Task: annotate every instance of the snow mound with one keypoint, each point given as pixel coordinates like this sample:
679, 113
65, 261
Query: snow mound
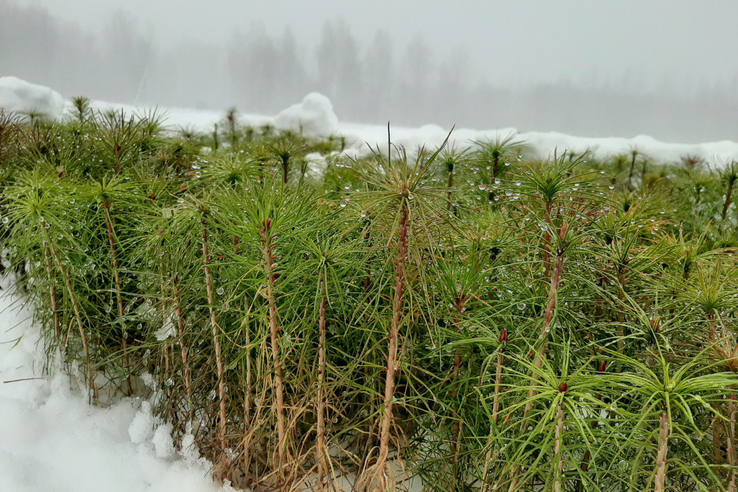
313, 117
19, 96
316, 118
537, 144
51, 439
142, 426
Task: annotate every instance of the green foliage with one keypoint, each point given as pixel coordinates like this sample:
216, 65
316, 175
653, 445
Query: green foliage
559, 324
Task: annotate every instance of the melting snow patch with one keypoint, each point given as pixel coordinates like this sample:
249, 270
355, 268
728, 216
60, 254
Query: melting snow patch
22, 97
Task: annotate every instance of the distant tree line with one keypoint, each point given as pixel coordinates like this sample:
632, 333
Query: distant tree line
411, 85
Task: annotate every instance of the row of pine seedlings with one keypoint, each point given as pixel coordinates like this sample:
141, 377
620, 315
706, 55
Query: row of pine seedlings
459, 318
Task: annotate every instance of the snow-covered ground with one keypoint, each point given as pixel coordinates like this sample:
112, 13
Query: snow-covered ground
52, 440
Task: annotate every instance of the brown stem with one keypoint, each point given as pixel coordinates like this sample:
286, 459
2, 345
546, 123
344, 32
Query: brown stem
368, 243
712, 330
621, 312
118, 151
664, 429
392, 343
321, 447
450, 194
118, 289
247, 401
77, 317
266, 235
216, 342
495, 406
285, 170
548, 316
168, 373
726, 203
732, 444
459, 306
716, 424
183, 348
52, 295
547, 241
593, 425
558, 453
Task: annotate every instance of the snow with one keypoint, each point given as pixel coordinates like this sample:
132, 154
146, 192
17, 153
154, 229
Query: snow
360, 137
538, 144
19, 96
52, 440
313, 117
142, 425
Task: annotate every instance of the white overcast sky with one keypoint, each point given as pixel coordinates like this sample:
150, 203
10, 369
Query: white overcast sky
626, 43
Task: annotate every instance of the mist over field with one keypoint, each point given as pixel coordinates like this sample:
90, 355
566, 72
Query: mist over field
663, 68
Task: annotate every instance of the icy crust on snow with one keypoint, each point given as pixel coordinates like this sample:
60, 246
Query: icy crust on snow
22, 97
313, 117
51, 439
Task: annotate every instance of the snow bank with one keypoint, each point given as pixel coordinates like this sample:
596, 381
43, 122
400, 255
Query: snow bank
51, 439
20, 96
538, 144
314, 116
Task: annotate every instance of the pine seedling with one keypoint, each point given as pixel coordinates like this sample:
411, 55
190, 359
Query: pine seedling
403, 204
713, 290
270, 217
82, 109
40, 224
231, 124
667, 402
331, 256
10, 130
566, 424
495, 156
452, 162
286, 151
728, 177
107, 194
121, 139
461, 279
633, 157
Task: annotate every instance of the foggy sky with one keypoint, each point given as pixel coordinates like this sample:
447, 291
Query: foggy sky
652, 43
668, 54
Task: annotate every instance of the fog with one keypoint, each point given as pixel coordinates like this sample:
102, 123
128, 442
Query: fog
666, 68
